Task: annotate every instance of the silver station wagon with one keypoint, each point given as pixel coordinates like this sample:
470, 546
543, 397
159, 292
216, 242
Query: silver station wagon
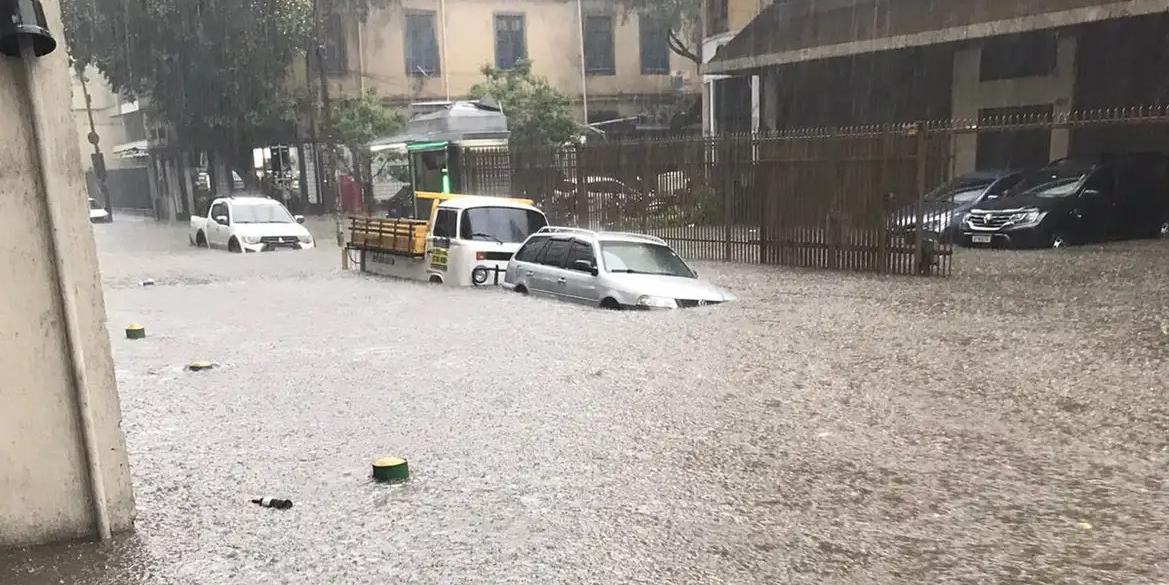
608, 269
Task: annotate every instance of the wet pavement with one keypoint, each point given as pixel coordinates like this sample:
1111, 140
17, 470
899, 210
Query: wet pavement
1005, 425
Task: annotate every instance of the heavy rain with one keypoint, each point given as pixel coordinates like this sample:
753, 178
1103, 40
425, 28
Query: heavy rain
588, 291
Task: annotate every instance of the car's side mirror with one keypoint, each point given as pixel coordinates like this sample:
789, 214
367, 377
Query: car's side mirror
221, 219
298, 218
584, 266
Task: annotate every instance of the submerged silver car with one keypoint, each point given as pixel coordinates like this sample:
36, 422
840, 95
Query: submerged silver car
608, 269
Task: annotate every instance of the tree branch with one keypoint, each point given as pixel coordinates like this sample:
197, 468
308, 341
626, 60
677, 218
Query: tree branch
679, 47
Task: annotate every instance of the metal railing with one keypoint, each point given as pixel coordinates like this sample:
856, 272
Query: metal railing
845, 198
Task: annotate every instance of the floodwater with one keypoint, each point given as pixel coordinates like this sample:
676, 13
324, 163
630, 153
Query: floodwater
1005, 425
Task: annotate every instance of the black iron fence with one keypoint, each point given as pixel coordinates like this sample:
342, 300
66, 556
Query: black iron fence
838, 198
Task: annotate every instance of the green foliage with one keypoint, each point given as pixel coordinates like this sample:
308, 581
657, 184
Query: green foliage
536, 111
360, 119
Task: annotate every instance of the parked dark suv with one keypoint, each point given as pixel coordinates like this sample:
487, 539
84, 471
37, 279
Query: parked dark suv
1076, 200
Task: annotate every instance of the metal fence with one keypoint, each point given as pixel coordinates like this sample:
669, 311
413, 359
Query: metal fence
836, 198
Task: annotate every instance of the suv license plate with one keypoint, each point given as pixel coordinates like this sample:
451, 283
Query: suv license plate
981, 238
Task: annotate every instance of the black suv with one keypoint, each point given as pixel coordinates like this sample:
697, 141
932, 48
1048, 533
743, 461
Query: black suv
1076, 200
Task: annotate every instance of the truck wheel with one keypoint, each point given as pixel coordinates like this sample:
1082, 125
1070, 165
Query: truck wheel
435, 279
233, 246
200, 240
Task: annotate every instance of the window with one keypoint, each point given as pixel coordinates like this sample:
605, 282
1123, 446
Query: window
1003, 186
581, 251
555, 253
262, 213
717, 17
598, 45
219, 210
510, 44
532, 249
506, 225
1102, 181
655, 49
1023, 55
638, 258
335, 57
421, 44
444, 223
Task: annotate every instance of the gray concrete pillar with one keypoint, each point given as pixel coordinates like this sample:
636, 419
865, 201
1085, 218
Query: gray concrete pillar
62, 453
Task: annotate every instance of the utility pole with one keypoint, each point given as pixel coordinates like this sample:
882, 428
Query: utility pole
99, 161
328, 178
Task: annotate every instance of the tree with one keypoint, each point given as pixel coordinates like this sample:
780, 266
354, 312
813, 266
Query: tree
536, 112
683, 19
355, 122
215, 71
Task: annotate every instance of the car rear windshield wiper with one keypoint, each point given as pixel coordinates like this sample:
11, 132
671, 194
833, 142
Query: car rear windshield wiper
489, 236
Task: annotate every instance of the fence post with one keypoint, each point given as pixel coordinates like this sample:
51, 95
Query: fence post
728, 186
919, 229
582, 200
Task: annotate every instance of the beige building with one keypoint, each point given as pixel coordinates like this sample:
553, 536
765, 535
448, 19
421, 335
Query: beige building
121, 128
614, 64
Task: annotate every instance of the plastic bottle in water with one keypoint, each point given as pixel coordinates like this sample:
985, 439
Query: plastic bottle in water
273, 503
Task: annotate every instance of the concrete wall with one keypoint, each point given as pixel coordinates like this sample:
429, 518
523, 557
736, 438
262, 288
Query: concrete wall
44, 485
376, 51
972, 95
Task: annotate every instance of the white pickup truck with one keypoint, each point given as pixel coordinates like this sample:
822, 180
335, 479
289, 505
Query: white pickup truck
249, 224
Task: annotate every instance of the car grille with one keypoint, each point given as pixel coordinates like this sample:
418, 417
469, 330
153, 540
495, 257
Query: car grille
690, 303
500, 256
989, 220
279, 240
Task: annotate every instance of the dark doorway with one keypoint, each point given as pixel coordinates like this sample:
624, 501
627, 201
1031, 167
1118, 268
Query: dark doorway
1027, 148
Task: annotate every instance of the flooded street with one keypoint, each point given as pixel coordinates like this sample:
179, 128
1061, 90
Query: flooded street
1007, 424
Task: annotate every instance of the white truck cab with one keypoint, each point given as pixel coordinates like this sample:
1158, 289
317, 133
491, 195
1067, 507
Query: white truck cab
467, 240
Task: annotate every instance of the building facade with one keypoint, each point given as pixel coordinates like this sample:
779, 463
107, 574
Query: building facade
730, 103
853, 62
121, 130
616, 66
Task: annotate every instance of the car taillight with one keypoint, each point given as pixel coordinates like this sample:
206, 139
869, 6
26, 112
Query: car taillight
480, 256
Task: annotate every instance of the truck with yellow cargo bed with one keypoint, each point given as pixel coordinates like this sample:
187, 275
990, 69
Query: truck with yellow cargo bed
462, 240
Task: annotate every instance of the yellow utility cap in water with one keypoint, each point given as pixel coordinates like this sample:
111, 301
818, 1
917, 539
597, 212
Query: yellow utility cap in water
135, 331
391, 469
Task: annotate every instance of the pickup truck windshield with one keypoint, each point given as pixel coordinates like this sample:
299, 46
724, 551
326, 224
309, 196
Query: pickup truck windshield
638, 258
507, 225
260, 213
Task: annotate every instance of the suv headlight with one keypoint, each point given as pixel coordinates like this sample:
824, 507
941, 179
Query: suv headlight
652, 302
251, 239
305, 239
1027, 217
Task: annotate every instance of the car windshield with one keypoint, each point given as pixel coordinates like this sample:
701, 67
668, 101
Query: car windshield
1050, 183
260, 213
960, 190
506, 225
640, 258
